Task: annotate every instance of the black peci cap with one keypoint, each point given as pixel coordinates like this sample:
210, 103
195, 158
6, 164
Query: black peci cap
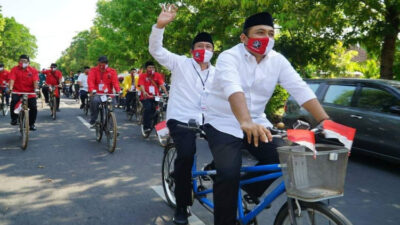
24, 57
103, 59
202, 37
263, 18
149, 63
53, 65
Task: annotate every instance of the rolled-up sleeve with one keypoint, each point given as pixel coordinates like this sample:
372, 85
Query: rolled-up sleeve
162, 55
294, 84
227, 75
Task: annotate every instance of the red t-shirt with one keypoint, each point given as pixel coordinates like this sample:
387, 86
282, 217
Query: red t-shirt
151, 86
24, 79
103, 81
4, 78
53, 78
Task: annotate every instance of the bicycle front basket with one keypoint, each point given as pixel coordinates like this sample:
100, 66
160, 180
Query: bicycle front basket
310, 179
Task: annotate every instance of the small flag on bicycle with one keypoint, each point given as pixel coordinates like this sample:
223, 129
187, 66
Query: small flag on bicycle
343, 133
302, 137
162, 129
18, 107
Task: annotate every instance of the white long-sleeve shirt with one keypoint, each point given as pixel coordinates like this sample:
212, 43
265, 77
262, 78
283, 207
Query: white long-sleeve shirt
186, 88
238, 71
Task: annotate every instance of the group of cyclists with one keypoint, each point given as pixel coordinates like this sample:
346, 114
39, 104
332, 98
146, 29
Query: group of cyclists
227, 100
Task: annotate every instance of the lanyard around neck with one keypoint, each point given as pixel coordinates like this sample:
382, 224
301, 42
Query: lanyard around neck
201, 79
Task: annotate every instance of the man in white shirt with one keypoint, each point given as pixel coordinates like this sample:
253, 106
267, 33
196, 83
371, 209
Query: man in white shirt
246, 78
191, 79
83, 84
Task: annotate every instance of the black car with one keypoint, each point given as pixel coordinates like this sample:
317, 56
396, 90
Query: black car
370, 106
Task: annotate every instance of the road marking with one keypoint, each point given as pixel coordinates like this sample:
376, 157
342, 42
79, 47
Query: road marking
84, 122
193, 219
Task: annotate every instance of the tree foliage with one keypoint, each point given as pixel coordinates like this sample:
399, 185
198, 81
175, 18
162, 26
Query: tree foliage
15, 40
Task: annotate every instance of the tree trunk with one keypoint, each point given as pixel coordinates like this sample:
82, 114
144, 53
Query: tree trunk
387, 56
389, 42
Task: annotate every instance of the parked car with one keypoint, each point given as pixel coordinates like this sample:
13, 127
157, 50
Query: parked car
370, 106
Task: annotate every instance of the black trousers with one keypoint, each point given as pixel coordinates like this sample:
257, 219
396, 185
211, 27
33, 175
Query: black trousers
226, 151
130, 101
185, 144
5, 96
45, 91
148, 113
31, 105
84, 96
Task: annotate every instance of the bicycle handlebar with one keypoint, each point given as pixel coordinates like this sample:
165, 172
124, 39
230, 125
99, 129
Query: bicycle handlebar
24, 93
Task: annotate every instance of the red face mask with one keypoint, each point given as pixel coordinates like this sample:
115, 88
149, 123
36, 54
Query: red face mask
259, 45
202, 55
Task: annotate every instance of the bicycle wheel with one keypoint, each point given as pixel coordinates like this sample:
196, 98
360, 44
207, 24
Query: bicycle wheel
167, 173
313, 213
2, 108
24, 128
139, 112
54, 109
99, 127
129, 115
111, 131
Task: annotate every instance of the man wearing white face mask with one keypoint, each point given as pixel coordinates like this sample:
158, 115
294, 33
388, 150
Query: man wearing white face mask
191, 79
235, 120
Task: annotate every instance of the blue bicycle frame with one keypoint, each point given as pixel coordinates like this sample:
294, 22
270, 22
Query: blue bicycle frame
242, 218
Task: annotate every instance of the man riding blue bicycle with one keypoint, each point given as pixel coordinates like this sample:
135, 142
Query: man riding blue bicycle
191, 80
235, 119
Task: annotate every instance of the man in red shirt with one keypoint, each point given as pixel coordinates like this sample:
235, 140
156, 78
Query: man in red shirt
24, 78
101, 79
150, 83
53, 78
4, 79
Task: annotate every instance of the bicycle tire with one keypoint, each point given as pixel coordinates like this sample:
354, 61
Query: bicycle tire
99, 127
54, 109
139, 113
24, 128
3, 111
111, 132
168, 182
327, 213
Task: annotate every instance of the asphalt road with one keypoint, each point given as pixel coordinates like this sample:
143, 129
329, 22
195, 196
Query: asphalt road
66, 177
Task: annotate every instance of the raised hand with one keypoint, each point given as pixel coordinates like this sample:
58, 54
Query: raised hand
167, 15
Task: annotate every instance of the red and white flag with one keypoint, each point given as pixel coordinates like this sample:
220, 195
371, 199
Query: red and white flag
343, 133
162, 129
303, 137
18, 107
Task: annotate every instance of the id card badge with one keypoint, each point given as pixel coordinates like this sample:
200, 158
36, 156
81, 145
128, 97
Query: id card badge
139, 93
133, 88
101, 86
103, 98
203, 99
152, 90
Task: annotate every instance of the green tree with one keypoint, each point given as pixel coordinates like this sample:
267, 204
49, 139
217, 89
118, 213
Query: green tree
16, 40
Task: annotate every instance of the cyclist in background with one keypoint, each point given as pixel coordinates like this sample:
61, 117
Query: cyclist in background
150, 83
24, 78
246, 76
130, 85
101, 79
4, 82
53, 78
83, 85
